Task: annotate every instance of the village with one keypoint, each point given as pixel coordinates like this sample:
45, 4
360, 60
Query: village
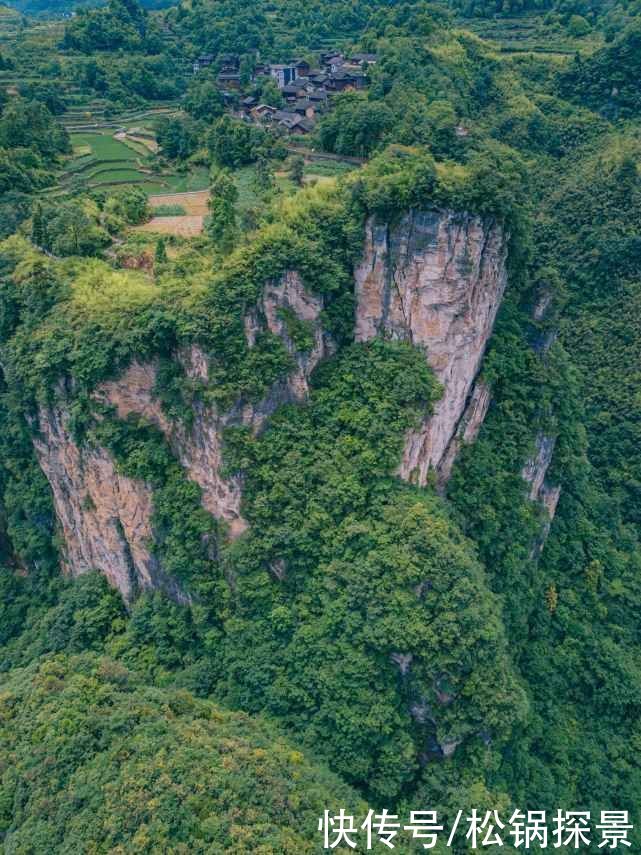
306, 91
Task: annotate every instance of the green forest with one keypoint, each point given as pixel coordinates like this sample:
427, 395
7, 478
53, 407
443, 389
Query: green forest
228, 603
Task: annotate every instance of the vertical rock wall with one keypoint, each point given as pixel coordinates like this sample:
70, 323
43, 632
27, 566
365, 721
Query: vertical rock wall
435, 279
534, 474
105, 517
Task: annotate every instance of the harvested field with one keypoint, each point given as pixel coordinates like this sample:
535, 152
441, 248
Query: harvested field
187, 226
194, 203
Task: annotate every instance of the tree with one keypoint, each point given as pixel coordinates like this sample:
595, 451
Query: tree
232, 143
72, 229
247, 66
177, 137
129, 205
47, 94
38, 227
6, 64
203, 100
578, 26
29, 124
160, 256
355, 126
264, 178
12, 175
222, 227
14, 205
121, 24
297, 169
270, 94
155, 746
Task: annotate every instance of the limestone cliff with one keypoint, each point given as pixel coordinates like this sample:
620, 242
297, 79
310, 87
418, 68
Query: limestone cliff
536, 467
467, 429
435, 279
199, 447
105, 517
535, 471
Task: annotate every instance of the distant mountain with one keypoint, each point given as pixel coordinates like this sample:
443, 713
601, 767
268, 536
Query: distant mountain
6, 12
48, 8
63, 8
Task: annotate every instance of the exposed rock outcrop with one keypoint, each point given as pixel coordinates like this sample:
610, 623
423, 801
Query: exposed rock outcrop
546, 306
549, 496
289, 295
548, 300
536, 467
403, 661
199, 446
467, 430
435, 279
106, 517
534, 473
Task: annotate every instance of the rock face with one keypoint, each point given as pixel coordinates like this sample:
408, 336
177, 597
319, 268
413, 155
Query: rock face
467, 430
534, 473
289, 295
106, 517
435, 279
536, 468
198, 448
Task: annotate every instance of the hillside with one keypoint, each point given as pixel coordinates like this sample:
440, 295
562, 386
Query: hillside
150, 746
319, 475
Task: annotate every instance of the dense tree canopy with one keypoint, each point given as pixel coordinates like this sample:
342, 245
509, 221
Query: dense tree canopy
121, 24
420, 648
183, 774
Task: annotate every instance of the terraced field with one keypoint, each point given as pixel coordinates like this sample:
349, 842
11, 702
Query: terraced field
103, 146
528, 33
107, 160
102, 159
9, 23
